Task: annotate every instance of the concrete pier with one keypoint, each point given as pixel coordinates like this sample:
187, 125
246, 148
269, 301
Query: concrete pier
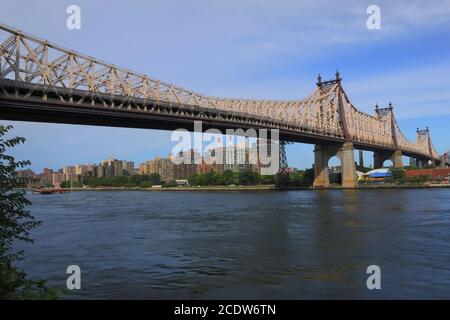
345, 152
395, 156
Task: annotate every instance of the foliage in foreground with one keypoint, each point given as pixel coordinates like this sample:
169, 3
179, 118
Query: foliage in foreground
15, 225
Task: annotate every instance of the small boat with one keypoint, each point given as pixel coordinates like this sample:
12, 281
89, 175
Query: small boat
46, 191
49, 190
43, 191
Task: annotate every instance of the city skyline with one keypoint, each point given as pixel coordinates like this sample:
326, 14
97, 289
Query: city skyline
300, 155
151, 155
182, 165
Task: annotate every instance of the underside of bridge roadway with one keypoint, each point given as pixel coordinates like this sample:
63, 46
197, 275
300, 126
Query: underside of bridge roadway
19, 109
12, 108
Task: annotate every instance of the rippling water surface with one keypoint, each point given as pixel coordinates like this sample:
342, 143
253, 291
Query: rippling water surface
277, 245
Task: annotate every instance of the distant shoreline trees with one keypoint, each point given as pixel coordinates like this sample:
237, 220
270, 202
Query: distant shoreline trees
297, 178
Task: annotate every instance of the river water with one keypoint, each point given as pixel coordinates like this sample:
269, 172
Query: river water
249, 245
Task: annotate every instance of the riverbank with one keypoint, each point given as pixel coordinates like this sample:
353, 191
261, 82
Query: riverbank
257, 188
184, 188
403, 186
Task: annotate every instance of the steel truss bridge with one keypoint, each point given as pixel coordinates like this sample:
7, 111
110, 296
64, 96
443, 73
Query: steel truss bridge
41, 81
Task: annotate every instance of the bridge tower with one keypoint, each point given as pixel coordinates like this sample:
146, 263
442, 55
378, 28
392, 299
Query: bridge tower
423, 137
344, 151
379, 157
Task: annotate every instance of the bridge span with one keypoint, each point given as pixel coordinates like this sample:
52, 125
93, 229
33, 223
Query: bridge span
41, 81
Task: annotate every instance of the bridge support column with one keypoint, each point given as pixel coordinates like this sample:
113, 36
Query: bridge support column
380, 157
348, 168
397, 159
378, 160
420, 163
322, 155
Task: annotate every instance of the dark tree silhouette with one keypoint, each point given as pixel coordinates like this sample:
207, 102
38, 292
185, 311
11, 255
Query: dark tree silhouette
15, 225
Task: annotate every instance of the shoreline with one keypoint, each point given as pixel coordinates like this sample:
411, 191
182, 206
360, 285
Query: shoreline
211, 188
252, 188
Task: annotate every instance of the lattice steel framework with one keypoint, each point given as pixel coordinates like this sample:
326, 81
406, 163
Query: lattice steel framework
39, 69
283, 158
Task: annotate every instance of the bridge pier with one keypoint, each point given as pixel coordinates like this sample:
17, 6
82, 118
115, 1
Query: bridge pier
380, 157
397, 159
323, 153
420, 163
378, 160
439, 164
321, 156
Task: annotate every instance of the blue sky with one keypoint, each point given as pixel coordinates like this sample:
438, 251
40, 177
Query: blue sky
248, 49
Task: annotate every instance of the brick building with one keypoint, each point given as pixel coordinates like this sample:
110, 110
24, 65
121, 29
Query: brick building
437, 173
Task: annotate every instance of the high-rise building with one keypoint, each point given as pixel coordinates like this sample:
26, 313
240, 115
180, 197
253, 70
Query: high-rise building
113, 167
184, 164
159, 165
58, 177
167, 171
128, 167
234, 157
213, 160
205, 168
46, 176
86, 170
26, 174
70, 173
143, 168
100, 172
